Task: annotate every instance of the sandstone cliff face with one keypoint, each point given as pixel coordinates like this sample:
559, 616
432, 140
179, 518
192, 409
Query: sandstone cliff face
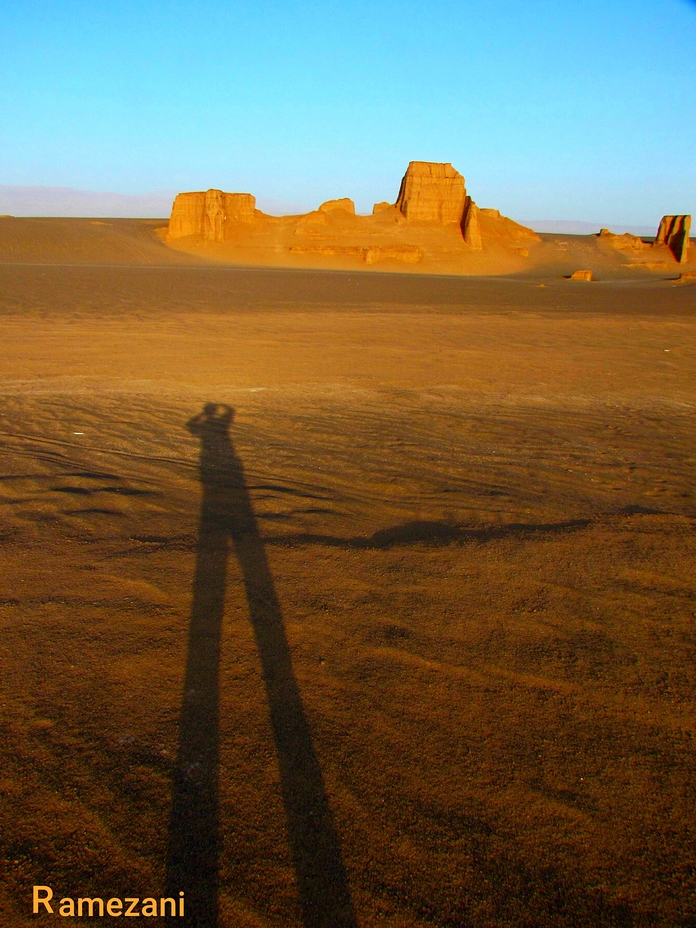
240, 207
209, 213
187, 215
471, 228
432, 192
674, 231
214, 216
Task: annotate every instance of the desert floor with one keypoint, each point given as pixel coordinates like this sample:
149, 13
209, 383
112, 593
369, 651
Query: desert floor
399, 632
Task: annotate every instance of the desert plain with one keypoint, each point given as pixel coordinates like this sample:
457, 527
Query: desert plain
338, 595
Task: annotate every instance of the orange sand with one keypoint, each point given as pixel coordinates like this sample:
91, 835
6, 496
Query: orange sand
459, 523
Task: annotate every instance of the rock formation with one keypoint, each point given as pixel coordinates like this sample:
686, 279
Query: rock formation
674, 232
344, 203
432, 192
209, 213
214, 216
433, 221
470, 225
581, 275
625, 242
316, 217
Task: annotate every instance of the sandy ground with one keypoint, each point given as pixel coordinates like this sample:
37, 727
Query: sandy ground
399, 632
342, 242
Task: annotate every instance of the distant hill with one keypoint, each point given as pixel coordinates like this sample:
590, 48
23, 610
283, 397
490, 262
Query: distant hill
68, 202
573, 227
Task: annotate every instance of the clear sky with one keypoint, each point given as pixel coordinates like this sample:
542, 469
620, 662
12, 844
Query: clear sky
551, 109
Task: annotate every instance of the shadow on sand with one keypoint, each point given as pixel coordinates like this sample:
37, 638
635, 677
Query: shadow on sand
227, 524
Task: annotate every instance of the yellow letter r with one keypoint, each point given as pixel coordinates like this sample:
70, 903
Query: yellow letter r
42, 900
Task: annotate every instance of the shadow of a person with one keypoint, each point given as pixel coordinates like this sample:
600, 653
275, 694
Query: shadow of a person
228, 520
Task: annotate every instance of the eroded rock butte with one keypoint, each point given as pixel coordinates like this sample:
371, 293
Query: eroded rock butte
208, 213
433, 220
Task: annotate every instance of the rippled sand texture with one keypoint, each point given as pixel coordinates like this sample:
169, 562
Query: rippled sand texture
406, 639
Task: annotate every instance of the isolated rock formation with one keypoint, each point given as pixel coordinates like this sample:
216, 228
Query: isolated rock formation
432, 192
581, 275
344, 203
673, 232
209, 213
433, 221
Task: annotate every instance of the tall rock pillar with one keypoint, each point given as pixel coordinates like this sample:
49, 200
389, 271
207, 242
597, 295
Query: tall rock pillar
432, 192
674, 232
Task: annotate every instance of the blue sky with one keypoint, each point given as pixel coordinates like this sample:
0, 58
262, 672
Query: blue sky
551, 109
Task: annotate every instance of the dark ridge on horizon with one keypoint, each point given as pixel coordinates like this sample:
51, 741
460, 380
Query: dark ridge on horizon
580, 227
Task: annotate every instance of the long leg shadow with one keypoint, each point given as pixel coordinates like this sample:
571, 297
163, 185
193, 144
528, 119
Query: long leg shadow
228, 521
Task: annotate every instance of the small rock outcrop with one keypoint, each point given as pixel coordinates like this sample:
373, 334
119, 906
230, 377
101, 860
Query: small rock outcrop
432, 192
345, 203
209, 213
316, 217
380, 207
673, 232
581, 275
625, 242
